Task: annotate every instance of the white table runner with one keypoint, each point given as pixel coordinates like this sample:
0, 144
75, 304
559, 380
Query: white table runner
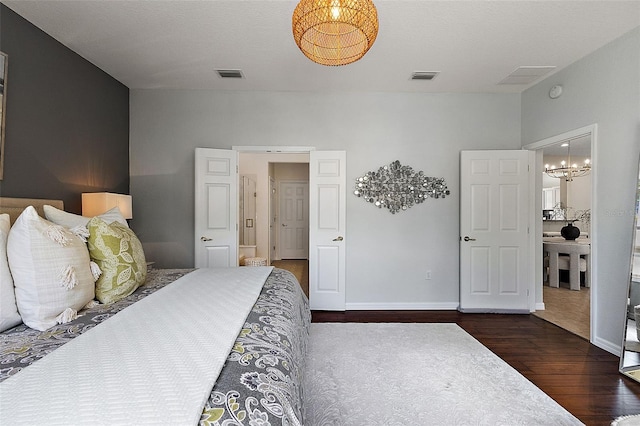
153, 363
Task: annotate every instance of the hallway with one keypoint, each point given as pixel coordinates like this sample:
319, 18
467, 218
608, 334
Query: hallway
567, 308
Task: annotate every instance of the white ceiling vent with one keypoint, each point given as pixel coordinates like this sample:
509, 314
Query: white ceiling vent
230, 73
527, 75
424, 75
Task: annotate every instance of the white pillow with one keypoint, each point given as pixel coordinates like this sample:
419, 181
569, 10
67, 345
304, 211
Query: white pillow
51, 271
70, 220
9, 315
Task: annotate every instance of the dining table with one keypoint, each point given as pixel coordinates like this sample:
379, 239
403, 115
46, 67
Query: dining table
576, 250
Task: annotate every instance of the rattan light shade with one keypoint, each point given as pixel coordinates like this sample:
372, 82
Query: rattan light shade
335, 32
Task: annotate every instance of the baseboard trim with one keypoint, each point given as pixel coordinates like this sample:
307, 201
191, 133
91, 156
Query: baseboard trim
493, 311
607, 346
373, 306
540, 306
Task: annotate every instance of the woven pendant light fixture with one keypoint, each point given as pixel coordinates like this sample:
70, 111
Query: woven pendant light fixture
335, 32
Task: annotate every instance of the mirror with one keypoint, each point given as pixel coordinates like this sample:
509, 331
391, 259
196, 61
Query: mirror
4, 66
630, 357
247, 210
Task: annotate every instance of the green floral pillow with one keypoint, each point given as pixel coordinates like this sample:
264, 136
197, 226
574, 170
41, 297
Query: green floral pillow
118, 253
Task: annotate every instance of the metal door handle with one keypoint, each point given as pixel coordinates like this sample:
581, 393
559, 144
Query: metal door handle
205, 239
338, 239
284, 224
469, 239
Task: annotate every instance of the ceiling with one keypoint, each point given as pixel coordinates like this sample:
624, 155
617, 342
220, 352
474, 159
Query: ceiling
472, 44
578, 147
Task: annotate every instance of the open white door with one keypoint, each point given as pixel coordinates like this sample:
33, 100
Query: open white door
327, 216
216, 208
495, 274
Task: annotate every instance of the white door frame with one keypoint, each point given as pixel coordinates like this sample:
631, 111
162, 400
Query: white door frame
592, 132
272, 149
313, 262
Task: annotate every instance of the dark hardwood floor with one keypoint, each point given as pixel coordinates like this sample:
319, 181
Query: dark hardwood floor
581, 377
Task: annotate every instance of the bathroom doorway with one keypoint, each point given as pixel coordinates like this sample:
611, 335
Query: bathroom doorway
279, 220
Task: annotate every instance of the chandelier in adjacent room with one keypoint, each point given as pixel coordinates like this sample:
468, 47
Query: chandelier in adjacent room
568, 170
335, 32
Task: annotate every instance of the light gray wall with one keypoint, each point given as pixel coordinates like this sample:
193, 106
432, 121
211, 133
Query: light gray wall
387, 255
603, 88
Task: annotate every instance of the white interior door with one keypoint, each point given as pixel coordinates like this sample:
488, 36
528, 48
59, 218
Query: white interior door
294, 220
273, 199
327, 216
216, 208
495, 260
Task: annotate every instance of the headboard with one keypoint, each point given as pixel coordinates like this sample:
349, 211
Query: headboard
15, 206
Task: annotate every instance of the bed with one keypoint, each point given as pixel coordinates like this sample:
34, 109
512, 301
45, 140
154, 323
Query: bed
258, 383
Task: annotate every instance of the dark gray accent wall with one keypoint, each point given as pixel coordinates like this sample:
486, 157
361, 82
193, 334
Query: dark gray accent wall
67, 124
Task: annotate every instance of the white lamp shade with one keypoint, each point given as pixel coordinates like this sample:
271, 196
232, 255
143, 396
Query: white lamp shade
96, 203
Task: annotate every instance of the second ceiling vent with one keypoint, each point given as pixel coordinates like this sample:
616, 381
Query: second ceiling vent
230, 73
424, 75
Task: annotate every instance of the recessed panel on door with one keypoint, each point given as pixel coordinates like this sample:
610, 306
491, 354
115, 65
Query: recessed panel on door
300, 238
480, 167
480, 270
329, 168
218, 167
328, 271
218, 256
481, 207
288, 237
508, 270
300, 210
509, 167
509, 207
218, 212
328, 195
295, 239
288, 209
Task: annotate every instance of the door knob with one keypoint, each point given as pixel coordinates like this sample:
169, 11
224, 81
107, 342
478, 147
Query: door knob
284, 224
469, 239
205, 239
338, 238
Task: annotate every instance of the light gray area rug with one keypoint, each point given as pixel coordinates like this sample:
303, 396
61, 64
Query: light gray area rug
627, 421
416, 374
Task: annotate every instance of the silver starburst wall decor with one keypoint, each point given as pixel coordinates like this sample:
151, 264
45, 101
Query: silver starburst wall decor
397, 187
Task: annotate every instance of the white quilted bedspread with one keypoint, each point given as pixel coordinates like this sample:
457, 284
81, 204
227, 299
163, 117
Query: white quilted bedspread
153, 363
